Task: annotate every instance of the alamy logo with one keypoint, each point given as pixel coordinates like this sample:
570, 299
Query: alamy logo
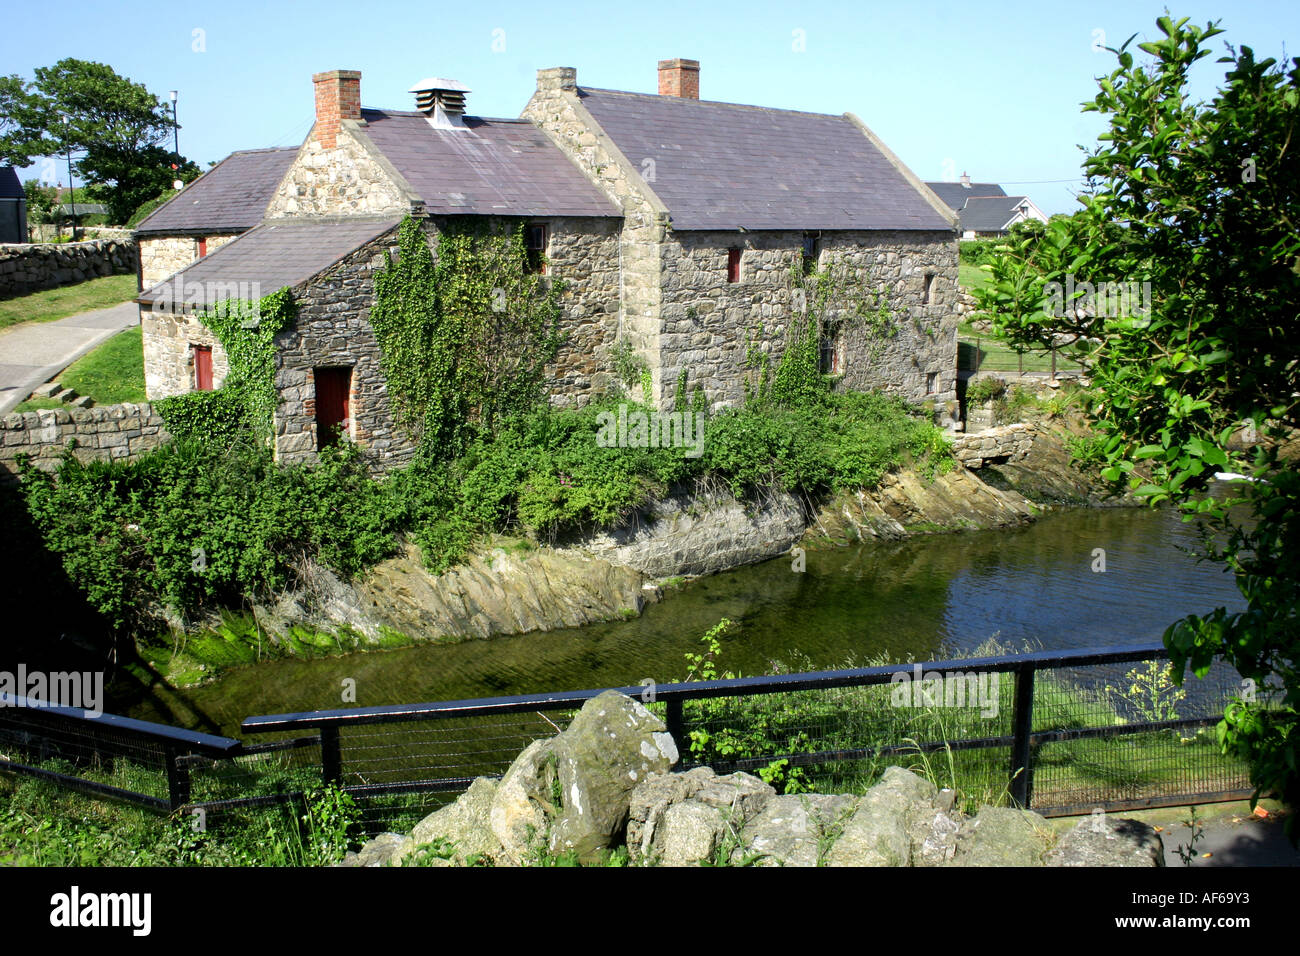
80, 689
178, 296
1106, 299
74, 909
636, 429
939, 689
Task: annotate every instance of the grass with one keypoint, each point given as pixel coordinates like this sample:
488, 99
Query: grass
996, 355
51, 304
971, 277
111, 374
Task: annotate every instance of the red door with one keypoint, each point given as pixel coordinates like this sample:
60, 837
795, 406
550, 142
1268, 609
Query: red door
332, 412
203, 368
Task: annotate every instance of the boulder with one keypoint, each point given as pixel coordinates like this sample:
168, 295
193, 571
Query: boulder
1002, 836
794, 830
1108, 841
465, 825
524, 803
880, 832
613, 744
683, 819
380, 851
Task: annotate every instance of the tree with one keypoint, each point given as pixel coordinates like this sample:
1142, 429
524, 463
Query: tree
117, 126
1193, 213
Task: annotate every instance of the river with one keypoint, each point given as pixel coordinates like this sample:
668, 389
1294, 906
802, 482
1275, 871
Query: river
1039, 586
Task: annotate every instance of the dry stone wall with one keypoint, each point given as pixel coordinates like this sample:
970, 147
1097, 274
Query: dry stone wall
1008, 443
31, 268
103, 433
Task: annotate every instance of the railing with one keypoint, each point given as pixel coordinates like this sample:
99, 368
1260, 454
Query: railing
1072, 740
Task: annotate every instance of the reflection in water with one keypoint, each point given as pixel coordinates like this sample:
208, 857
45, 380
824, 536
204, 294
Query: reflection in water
920, 599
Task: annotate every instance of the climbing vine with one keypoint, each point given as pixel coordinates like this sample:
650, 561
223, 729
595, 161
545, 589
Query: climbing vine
246, 331
464, 338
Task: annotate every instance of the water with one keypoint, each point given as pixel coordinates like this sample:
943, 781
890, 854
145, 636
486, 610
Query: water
924, 598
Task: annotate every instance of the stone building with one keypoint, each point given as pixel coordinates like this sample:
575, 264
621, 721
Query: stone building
226, 201
679, 227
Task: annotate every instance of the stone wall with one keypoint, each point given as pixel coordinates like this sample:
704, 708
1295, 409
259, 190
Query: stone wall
103, 433
169, 342
1008, 443
708, 321
163, 256
350, 179
30, 268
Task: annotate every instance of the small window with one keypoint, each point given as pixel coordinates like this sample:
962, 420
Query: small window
203, 248
535, 248
733, 265
931, 382
202, 368
927, 291
812, 247
829, 352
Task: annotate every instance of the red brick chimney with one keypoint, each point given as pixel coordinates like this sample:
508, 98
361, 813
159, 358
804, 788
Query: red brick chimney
679, 78
338, 97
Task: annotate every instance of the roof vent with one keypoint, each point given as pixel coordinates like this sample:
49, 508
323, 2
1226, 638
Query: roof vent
442, 100
965, 180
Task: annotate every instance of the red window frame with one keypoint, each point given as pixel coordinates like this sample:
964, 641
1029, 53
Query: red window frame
202, 368
203, 247
733, 265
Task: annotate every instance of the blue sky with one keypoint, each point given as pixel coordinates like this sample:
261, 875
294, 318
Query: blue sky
989, 89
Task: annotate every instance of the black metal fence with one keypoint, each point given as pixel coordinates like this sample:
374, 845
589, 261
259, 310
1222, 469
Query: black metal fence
1059, 731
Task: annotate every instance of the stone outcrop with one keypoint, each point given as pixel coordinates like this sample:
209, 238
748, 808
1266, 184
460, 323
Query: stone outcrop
30, 268
606, 782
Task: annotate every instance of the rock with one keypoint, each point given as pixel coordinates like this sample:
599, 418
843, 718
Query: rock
612, 744
1002, 836
1108, 841
380, 851
465, 824
692, 833
682, 819
793, 830
880, 832
649, 802
524, 802
48, 390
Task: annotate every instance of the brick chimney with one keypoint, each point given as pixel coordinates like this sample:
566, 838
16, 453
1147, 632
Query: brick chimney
338, 97
679, 78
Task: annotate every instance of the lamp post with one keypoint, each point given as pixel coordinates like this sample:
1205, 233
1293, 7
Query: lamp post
176, 141
72, 193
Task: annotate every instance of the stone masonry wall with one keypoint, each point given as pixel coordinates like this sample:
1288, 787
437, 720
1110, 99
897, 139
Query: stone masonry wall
1007, 443
102, 433
166, 255
169, 342
707, 320
31, 268
558, 111
352, 179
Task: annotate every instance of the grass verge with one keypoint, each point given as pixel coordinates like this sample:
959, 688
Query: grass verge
51, 304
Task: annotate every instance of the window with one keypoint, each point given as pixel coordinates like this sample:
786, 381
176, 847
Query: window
733, 265
535, 248
203, 248
333, 405
927, 291
829, 351
202, 367
812, 247
931, 382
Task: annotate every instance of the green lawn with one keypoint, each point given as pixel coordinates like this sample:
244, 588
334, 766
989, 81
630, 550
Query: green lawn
111, 374
69, 300
971, 277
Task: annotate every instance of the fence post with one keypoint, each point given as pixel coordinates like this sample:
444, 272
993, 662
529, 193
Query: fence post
1022, 723
178, 778
676, 723
331, 756
976, 360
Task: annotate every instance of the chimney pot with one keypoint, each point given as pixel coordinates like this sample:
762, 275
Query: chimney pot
679, 77
338, 98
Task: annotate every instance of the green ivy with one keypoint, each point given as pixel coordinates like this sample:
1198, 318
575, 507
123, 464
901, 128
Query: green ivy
214, 419
465, 338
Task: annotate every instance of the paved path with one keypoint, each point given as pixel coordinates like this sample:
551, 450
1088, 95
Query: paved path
34, 352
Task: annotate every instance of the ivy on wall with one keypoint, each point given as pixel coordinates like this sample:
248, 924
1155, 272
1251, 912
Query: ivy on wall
246, 331
464, 338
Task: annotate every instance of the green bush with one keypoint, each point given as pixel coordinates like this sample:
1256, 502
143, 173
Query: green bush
214, 419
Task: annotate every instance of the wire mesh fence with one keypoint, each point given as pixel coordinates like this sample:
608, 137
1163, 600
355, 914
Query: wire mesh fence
1060, 732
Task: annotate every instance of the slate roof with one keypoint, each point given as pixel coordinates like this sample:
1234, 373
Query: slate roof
492, 167
275, 254
989, 213
955, 194
230, 197
10, 187
728, 166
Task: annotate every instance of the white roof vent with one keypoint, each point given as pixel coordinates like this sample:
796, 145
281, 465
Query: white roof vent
442, 100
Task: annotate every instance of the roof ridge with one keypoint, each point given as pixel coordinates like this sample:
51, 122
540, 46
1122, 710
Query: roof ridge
487, 119
687, 99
